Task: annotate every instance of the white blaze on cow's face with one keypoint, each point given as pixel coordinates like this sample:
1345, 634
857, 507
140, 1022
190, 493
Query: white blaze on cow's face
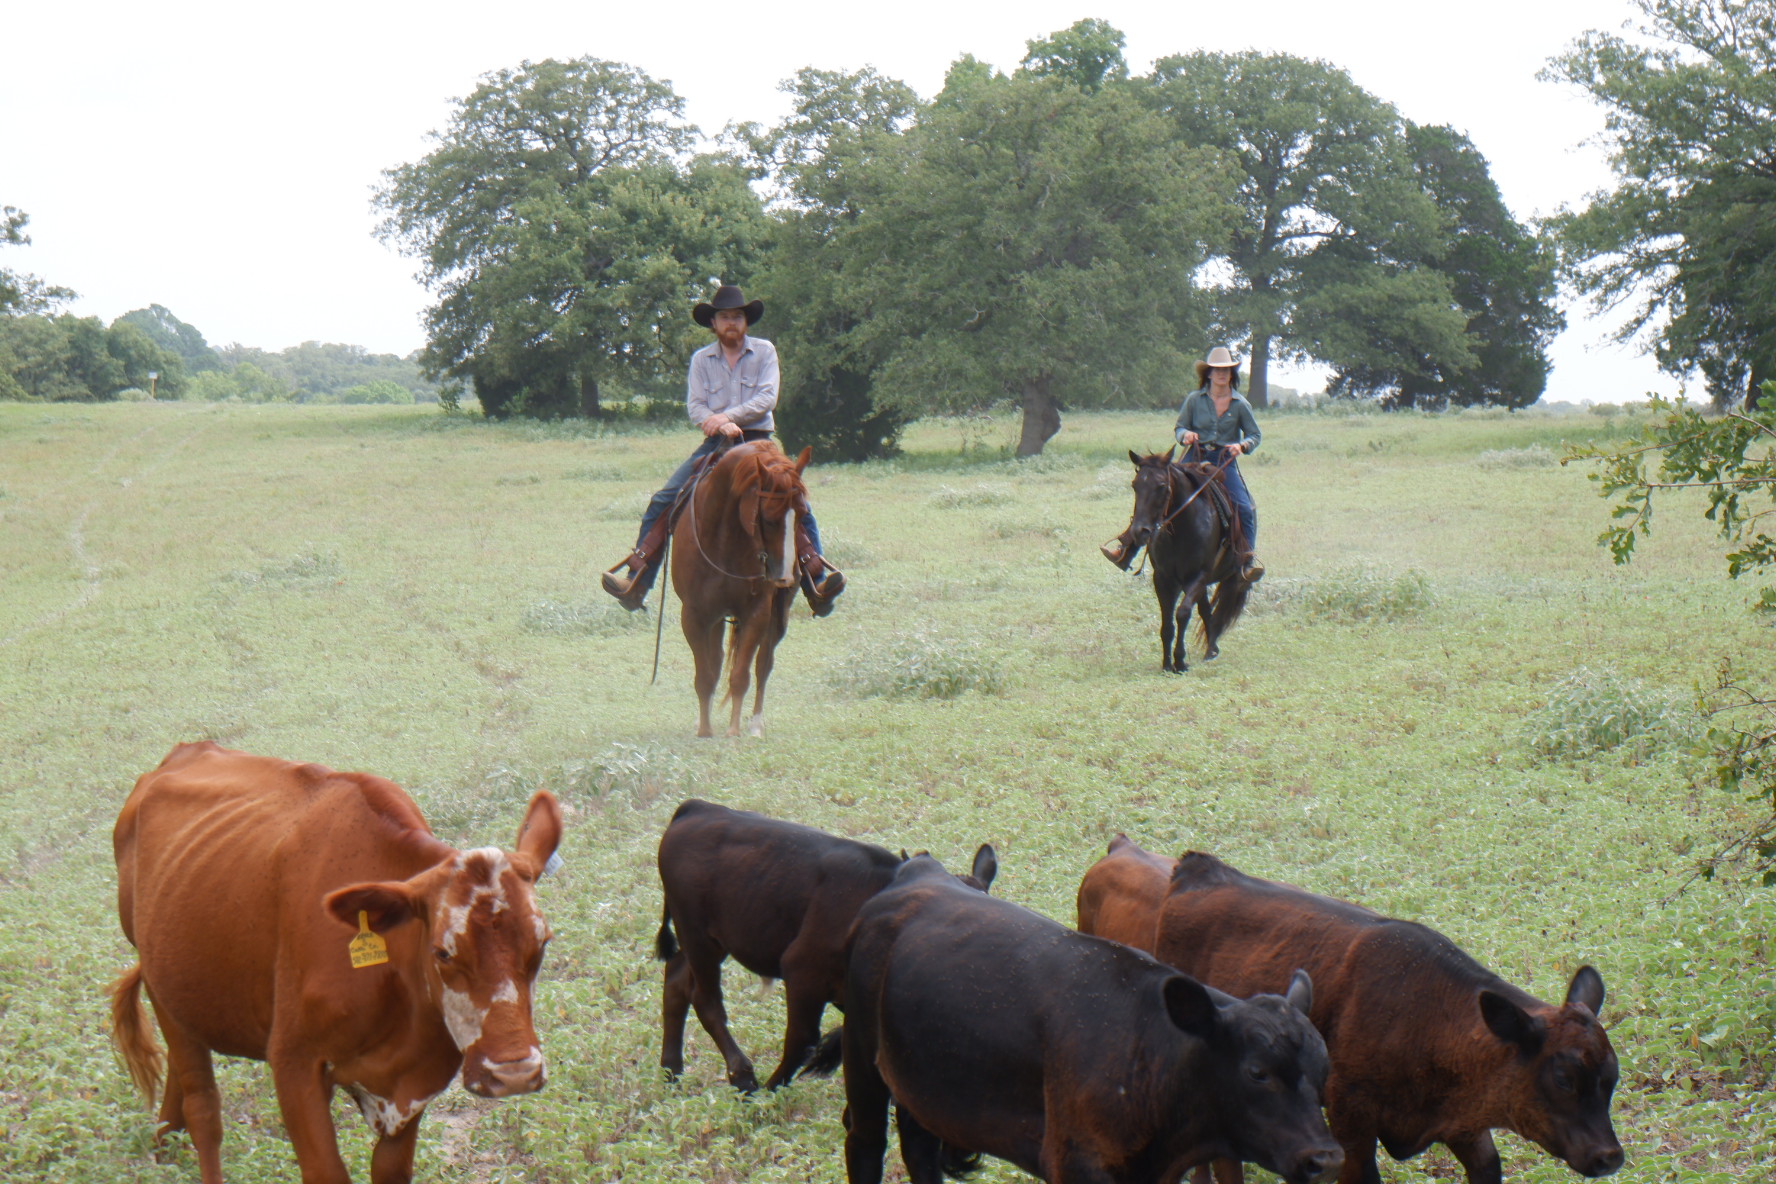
488, 941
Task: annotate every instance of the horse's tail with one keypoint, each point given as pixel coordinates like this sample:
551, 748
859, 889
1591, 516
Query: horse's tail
1230, 599
130, 1034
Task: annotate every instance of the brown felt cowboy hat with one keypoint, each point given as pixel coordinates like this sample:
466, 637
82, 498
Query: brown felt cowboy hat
727, 296
1218, 358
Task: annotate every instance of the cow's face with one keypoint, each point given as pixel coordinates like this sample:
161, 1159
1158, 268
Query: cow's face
485, 942
1568, 1073
1270, 1075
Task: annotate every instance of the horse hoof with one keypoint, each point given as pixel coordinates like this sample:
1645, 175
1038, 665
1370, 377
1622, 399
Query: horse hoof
1211, 655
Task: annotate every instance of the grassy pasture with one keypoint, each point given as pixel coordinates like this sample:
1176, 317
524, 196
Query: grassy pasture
391, 590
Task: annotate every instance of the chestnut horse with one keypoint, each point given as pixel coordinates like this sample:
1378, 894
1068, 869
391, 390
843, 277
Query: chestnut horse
733, 558
1190, 549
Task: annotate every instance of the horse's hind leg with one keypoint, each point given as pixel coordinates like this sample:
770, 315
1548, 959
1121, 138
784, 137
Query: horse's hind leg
1196, 594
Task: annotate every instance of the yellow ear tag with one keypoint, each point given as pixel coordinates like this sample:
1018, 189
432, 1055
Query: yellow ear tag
367, 948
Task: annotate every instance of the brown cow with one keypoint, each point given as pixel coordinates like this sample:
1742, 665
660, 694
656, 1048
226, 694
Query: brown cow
241, 881
778, 898
1427, 1045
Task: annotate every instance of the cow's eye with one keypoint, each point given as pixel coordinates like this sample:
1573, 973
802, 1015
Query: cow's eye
1259, 1075
1563, 1080
443, 955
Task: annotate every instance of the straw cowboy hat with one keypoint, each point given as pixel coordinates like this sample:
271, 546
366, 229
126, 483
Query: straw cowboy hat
727, 296
1218, 357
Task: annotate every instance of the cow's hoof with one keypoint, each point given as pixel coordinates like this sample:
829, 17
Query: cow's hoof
1211, 654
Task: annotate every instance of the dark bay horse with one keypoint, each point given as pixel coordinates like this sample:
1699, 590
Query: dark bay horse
733, 559
1190, 551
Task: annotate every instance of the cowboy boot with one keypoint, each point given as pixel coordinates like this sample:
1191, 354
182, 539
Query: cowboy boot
821, 581
643, 564
1251, 571
1119, 550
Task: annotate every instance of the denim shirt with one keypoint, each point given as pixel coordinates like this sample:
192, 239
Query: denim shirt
745, 394
1235, 427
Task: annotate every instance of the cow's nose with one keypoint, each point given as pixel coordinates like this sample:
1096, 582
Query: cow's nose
1603, 1163
1320, 1165
503, 1079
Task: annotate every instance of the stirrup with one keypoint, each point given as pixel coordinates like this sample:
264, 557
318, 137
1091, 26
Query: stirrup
822, 592
1252, 572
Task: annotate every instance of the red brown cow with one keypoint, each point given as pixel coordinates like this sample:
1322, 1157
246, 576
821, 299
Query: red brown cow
1427, 1045
778, 898
257, 892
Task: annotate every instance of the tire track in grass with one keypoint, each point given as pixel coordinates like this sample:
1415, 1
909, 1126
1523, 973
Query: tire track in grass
91, 574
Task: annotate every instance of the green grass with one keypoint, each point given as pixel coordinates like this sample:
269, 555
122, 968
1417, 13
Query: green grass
392, 590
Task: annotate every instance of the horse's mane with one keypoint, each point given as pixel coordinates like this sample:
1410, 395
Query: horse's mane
762, 464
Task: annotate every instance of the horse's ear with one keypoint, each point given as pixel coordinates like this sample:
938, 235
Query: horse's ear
1134, 458
1169, 452
806, 456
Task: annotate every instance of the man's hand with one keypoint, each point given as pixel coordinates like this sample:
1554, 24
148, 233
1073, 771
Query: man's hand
1235, 449
720, 423
1187, 438
731, 430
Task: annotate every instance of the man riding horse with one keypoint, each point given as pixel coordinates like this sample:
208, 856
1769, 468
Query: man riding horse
1217, 422
729, 394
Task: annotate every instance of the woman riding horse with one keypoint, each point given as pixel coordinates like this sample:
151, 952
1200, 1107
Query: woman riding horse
1217, 422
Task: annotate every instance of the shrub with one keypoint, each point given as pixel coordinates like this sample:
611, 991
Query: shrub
920, 666
307, 567
1532, 456
1365, 594
984, 494
1598, 710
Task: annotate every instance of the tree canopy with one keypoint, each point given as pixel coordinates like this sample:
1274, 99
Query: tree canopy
565, 235
1686, 241
21, 293
1334, 237
1036, 239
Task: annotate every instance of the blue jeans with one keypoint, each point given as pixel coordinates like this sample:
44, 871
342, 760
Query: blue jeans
662, 501
1236, 489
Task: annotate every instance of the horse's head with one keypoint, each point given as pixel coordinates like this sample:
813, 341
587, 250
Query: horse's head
1153, 492
770, 488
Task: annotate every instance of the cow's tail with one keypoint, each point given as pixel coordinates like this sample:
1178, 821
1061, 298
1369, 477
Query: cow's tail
665, 941
130, 1033
1229, 602
827, 1057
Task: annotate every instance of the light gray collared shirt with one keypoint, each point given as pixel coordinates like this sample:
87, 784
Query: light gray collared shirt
746, 393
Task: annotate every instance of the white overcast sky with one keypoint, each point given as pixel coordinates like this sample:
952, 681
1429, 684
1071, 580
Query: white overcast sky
219, 158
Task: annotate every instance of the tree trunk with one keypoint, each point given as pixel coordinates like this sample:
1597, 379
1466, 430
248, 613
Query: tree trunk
1753, 387
1042, 417
589, 405
1258, 374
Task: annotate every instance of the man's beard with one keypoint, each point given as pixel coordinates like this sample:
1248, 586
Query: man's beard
730, 337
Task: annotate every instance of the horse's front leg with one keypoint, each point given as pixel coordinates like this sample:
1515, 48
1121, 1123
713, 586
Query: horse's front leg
1165, 590
706, 649
767, 658
749, 636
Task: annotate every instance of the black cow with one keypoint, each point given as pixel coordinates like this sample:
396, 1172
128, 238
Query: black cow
997, 1030
778, 898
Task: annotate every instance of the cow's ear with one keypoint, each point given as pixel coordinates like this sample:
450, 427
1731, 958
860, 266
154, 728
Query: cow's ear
1134, 458
384, 905
1190, 1006
802, 460
986, 865
1301, 992
1586, 988
1169, 452
540, 833
1511, 1023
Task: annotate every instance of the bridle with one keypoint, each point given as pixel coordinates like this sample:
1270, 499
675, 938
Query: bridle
697, 535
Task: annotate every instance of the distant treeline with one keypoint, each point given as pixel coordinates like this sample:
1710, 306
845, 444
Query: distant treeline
150, 353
